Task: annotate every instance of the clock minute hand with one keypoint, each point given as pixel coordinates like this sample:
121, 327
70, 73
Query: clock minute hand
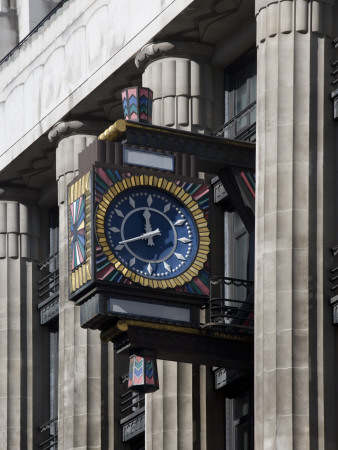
148, 235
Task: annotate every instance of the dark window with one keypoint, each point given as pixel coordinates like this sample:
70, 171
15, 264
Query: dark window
240, 99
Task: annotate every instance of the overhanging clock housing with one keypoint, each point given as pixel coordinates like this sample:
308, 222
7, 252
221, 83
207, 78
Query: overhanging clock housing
136, 237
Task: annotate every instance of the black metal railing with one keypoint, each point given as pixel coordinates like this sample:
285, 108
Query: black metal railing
334, 64
49, 434
132, 412
231, 305
241, 127
34, 30
48, 286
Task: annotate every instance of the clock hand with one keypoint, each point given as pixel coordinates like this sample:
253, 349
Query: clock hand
147, 227
148, 235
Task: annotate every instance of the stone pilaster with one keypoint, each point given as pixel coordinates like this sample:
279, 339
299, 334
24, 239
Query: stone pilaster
295, 392
169, 411
84, 362
19, 321
188, 94
188, 91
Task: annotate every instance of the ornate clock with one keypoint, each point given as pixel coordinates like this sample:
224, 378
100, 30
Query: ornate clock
152, 231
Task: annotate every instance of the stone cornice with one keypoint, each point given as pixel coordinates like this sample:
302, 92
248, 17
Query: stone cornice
191, 50
76, 127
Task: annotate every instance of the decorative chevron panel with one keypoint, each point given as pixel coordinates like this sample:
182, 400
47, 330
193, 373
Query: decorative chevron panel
143, 375
137, 104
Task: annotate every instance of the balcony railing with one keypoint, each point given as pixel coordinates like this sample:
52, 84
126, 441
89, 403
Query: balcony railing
49, 433
132, 410
241, 127
231, 305
49, 285
48, 289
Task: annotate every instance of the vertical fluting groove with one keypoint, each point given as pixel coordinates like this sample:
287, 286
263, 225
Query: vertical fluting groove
94, 388
4, 350
270, 260
302, 16
169, 106
183, 77
259, 239
111, 396
169, 92
284, 219
185, 406
15, 374
168, 78
203, 407
156, 86
158, 411
183, 91
301, 240
286, 16
196, 82
196, 112
262, 25
183, 110
272, 19
317, 17
170, 388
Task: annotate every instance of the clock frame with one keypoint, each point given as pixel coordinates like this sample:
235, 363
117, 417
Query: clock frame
126, 201
93, 266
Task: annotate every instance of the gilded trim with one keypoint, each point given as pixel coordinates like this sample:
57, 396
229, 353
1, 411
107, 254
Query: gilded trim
196, 213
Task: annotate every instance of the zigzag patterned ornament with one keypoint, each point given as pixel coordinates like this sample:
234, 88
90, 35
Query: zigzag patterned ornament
143, 375
137, 104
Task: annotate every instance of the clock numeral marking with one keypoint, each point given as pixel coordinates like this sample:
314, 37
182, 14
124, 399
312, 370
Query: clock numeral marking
119, 247
184, 240
149, 200
150, 269
131, 202
119, 212
166, 266
132, 262
114, 229
179, 256
179, 222
166, 208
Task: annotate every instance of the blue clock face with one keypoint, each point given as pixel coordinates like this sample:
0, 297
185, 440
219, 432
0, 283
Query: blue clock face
151, 233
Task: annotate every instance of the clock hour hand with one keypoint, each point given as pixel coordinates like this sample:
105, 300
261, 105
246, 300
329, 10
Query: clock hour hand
147, 227
148, 235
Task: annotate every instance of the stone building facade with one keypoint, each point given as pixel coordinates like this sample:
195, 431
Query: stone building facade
262, 72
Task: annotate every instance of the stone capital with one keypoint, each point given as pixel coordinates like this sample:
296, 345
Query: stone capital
62, 130
191, 50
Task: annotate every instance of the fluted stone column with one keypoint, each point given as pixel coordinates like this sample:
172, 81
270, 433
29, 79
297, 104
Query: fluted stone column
85, 400
188, 94
295, 389
188, 91
19, 320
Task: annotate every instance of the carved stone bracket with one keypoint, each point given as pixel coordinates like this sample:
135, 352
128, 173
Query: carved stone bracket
192, 50
76, 127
